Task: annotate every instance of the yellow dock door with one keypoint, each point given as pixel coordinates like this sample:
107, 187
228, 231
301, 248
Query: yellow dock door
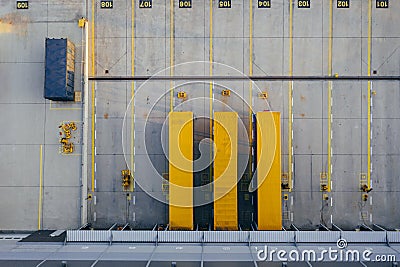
181, 170
269, 171
225, 171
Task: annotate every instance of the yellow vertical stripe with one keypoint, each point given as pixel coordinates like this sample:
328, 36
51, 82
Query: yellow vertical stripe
251, 38
181, 170
132, 91
171, 51
290, 96
211, 39
329, 152
330, 37
211, 73
211, 57
369, 92
269, 208
93, 93
40, 188
250, 83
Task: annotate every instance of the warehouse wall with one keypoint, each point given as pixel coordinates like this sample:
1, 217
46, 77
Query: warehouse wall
163, 37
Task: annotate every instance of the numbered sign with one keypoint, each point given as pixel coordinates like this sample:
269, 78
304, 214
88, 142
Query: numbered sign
145, 3
185, 3
264, 4
106, 4
22, 5
224, 4
304, 3
382, 3
343, 3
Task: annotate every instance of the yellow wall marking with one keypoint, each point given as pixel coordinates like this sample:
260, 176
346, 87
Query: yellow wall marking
171, 52
290, 97
330, 95
369, 91
211, 83
6, 27
132, 185
93, 95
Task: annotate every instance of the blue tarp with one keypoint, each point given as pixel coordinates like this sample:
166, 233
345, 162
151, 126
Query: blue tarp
59, 84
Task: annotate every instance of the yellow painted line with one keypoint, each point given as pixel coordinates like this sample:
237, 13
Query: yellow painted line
251, 38
40, 188
171, 51
211, 73
330, 95
211, 39
250, 83
131, 187
51, 107
330, 37
369, 92
329, 136
93, 95
290, 97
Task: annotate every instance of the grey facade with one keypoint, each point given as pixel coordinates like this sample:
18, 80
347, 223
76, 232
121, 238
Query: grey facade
31, 122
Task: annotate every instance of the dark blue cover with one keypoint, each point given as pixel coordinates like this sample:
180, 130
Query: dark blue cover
59, 84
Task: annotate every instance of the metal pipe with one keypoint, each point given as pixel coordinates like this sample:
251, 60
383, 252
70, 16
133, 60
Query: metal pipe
85, 130
112, 227
241, 78
83, 226
256, 226
379, 227
123, 228
366, 227
294, 227
323, 226
336, 227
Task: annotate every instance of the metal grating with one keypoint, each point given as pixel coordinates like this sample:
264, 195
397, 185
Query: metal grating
231, 236
272, 237
226, 236
180, 236
365, 237
134, 236
88, 236
317, 236
393, 237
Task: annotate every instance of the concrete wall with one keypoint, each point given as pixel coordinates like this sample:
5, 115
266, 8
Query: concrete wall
31, 122
190, 40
